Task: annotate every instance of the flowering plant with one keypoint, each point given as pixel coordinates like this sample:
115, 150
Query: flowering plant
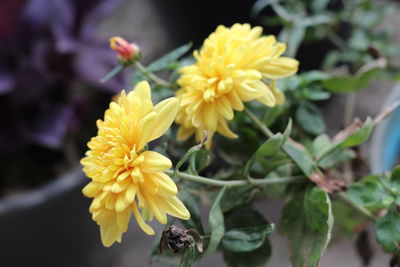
236, 98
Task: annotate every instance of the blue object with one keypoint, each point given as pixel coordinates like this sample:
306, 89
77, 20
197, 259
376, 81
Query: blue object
385, 146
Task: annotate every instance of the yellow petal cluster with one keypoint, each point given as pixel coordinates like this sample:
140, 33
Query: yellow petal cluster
127, 178
230, 69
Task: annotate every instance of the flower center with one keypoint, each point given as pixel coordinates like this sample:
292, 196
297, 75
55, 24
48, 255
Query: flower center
217, 87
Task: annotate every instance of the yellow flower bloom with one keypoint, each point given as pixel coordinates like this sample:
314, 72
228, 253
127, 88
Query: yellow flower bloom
230, 70
125, 177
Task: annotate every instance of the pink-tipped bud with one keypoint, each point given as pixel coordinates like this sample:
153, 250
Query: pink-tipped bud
126, 51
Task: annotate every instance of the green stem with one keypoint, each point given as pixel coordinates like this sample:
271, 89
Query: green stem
112, 73
361, 209
251, 181
151, 76
277, 180
349, 109
338, 41
259, 124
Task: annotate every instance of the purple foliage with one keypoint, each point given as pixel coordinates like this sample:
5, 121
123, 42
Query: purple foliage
47, 50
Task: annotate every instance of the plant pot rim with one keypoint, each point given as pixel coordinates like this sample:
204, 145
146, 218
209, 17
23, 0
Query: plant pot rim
39, 195
383, 149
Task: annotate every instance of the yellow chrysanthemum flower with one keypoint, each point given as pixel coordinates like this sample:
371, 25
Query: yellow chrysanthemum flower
126, 178
230, 70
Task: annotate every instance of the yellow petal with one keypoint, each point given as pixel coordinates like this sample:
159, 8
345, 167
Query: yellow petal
123, 176
147, 126
280, 67
248, 91
110, 232
224, 129
155, 207
166, 185
235, 101
225, 108
184, 133
121, 204
92, 189
154, 162
166, 110
136, 175
210, 117
142, 90
130, 194
279, 95
268, 97
123, 219
176, 208
118, 187
110, 202
145, 227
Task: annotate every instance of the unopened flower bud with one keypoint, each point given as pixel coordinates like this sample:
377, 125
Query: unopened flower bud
127, 52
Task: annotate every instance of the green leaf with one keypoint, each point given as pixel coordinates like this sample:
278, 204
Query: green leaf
259, 6
360, 135
272, 114
307, 221
310, 118
165, 61
269, 148
369, 193
335, 157
288, 130
320, 144
315, 20
346, 84
216, 224
195, 217
359, 40
300, 156
395, 181
347, 222
200, 160
352, 135
189, 257
296, 36
247, 238
187, 155
237, 196
388, 231
370, 18
318, 95
312, 76
319, 5
167, 257
246, 216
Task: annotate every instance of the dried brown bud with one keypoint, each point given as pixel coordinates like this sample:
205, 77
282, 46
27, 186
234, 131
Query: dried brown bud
175, 238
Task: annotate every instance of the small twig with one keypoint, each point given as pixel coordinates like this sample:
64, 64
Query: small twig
386, 112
